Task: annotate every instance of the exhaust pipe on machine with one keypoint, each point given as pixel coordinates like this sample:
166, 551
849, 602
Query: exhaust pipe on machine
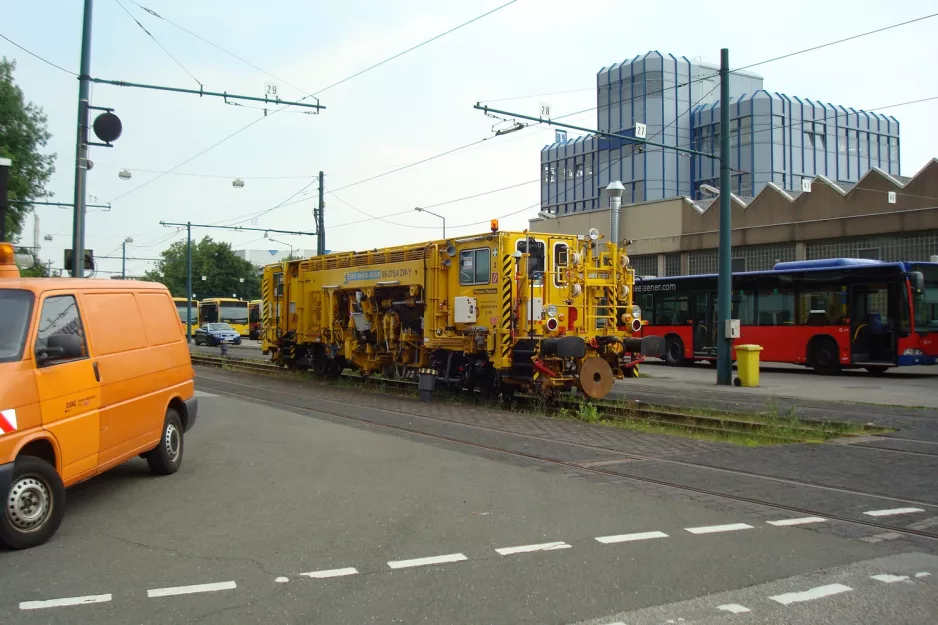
615, 191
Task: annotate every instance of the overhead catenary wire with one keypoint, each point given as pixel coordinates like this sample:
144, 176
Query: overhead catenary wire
314, 94
34, 55
157, 42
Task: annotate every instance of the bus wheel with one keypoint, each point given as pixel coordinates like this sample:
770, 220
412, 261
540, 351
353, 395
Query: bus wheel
877, 370
35, 504
674, 351
823, 357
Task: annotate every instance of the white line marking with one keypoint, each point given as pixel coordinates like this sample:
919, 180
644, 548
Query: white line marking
282, 580
624, 538
204, 394
188, 590
331, 573
923, 574
404, 564
878, 538
892, 511
810, 595
801, 521
58, 603
735, 608
890, 579
507, 551
711, 529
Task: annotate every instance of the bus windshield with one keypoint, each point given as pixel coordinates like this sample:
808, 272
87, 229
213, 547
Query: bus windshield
234, 312
15, 309
926, 307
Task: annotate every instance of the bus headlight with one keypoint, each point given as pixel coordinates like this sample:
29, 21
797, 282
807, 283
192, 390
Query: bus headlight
551, 311
636, 311
913, 351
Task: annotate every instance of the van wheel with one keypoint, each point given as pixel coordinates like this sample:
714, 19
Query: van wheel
34, 506
166, 458
674, 351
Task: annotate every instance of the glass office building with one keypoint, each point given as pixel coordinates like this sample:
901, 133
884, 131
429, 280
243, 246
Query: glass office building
774, 138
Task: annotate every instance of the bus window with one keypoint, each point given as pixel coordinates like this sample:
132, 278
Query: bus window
234, 312
926, 305
646, 302
671, 309
776, 308
822, 307
744, 307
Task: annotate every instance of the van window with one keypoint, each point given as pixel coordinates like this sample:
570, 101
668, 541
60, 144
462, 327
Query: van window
158, 319
114, 323
60, 316
16, 306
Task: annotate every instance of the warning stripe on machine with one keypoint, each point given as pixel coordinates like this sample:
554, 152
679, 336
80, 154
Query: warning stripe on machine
507, 262
7, 421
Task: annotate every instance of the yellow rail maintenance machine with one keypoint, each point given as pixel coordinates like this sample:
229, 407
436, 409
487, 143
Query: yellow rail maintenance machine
498, 312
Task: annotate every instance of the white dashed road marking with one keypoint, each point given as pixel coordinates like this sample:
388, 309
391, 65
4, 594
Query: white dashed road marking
713, 529
800, 521
890, 579
204, 394
282, 580
58, 603
331, 573
624, 538
188, 590
735, 608
923, 574
404, 564
507, 551
810, 595
892, 511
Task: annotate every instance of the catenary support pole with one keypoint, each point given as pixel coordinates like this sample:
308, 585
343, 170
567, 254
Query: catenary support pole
321, 220
188, 282
725, 280
81, 147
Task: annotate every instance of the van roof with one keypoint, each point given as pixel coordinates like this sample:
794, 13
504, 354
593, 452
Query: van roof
41, 285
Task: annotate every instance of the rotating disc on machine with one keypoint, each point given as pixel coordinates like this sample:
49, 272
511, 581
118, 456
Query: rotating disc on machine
596, 378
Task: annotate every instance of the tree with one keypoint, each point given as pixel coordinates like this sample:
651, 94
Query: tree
216, 261
22, 133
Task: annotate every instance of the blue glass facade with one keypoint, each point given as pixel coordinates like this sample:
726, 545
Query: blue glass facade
775, 138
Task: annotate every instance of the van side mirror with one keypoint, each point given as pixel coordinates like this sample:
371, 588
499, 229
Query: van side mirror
60, 347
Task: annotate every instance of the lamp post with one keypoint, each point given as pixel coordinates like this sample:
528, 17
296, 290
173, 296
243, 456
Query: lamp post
124, 257
282, 243
423, 210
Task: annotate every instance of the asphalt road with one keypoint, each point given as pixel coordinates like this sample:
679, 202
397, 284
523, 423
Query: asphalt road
394, 528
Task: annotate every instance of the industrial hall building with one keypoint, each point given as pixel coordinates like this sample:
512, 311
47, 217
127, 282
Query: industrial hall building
775, 138
880, 216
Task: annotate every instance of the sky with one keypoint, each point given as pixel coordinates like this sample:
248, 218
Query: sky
411, 108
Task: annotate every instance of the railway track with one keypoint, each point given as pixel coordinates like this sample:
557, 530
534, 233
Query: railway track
610, 411
247, 391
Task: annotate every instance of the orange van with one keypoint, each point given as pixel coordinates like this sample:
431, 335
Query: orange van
92, 373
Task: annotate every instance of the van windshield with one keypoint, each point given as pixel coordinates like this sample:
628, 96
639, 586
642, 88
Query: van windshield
16, 307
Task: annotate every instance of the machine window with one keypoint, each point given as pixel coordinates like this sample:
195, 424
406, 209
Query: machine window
475, 266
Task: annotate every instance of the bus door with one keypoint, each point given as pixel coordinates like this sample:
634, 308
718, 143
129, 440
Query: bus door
873, 329
703, 307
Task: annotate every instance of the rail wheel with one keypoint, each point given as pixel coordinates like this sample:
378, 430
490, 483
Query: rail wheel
596, 378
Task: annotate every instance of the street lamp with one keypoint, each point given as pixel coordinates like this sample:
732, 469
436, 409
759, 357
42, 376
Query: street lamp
282, 243
237, 183
124, 256
423, 210
5, 165
124, 175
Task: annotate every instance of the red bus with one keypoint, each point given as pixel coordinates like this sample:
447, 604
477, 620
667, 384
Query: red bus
826, 314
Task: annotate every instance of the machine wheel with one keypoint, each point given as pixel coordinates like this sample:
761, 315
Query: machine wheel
823, 357
34, 506
877, 370
596, 378
674, 351
166, 457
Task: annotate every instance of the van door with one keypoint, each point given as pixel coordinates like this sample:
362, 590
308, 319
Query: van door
67, 381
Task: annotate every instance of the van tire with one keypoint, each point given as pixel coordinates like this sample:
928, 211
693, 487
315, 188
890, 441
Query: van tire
35, 483
166, 457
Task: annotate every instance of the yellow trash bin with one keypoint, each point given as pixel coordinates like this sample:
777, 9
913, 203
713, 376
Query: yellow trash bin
747, 364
